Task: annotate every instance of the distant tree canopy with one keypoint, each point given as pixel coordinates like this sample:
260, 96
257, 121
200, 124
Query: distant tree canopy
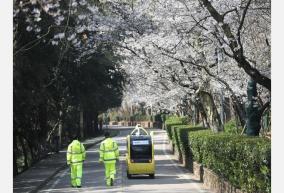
101, 80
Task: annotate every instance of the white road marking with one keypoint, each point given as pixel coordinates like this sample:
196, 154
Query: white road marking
57, 180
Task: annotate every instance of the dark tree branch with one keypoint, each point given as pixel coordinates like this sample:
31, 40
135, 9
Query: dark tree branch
243, 16
234, 97
227, 53
241, 24
267, 42
227, 12
237, 52
198, 23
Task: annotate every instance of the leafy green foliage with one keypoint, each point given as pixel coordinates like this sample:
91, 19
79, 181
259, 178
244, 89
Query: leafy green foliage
99, 81
172, 121
139, 117
175, 140
243, 161
50, 88
182, 137
231, 127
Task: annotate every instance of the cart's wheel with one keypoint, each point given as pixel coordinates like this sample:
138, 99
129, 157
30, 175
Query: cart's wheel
128, 175
152, 176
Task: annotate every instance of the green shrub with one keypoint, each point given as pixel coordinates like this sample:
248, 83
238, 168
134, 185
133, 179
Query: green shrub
195, 141
183, 119
169, 128
174, 135
244, 161
231, 127
182, 137
175, 140
172, 121
139, 117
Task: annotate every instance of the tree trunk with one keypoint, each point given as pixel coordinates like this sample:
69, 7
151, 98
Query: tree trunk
193, 117
197, 115
101, 124
202, 113
211, 111
239, 111
42, 113
33, 156
96, 123
15, 156
81, 123
60, 129
88, 121
26, 164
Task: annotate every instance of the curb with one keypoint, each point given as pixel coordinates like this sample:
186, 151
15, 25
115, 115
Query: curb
60, 169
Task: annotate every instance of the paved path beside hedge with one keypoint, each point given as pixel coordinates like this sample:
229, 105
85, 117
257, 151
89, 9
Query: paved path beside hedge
37, 176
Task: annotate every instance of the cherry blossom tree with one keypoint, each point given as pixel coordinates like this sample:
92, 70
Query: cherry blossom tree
191, 48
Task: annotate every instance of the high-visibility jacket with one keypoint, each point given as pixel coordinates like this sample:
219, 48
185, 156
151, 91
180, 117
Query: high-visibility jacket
109, 152
76, 153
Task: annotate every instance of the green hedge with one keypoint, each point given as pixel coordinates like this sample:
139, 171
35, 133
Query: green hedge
244, 161
182, 137
169, 124
173, 121
175, 140
231, 127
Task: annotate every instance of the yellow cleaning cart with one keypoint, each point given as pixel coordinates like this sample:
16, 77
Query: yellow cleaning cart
140, 153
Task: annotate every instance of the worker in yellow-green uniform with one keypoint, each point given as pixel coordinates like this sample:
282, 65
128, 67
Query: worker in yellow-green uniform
109, 153
76, 154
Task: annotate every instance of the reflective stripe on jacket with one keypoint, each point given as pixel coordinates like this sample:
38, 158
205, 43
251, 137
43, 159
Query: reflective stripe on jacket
76, 152
109, 151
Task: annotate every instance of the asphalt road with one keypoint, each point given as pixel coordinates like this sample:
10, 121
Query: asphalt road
169, 177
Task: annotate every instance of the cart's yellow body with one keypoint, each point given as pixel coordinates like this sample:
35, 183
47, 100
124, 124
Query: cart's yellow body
140, 153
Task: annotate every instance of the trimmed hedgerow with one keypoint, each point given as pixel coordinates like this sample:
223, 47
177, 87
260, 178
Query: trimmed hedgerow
175, 138
182, 137
195, 141
172, 121
180, 140
174, 135
244, 161
169, 125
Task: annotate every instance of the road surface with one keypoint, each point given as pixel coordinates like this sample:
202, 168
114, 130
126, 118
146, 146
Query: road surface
169, 177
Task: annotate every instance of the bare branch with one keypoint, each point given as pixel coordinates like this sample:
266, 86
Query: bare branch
35, 41
238, 53
227, 53
227, 12
242, 23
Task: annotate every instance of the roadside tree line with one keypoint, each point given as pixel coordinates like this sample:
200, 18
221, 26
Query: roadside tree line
66, 71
